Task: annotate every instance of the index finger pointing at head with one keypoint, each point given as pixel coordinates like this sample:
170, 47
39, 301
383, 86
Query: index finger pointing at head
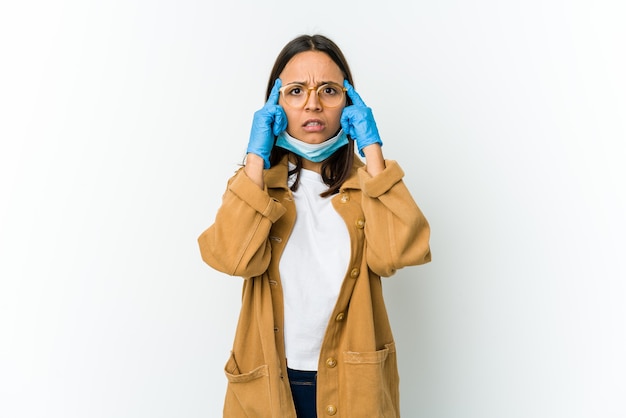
273, 98
352, 94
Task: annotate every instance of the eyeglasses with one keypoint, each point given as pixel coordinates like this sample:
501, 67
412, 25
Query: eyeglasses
329, 94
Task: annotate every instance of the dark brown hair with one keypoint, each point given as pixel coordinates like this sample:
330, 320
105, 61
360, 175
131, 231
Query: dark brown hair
337, 167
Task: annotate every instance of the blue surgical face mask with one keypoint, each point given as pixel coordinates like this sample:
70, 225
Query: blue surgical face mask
312, 152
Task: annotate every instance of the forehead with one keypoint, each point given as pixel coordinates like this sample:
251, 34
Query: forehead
311, 66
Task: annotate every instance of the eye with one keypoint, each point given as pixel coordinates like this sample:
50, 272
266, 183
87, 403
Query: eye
329, 90
294, 91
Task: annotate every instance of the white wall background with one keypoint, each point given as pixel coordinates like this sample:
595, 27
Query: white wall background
120, 122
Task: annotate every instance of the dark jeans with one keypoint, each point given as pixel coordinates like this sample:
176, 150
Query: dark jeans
303, 388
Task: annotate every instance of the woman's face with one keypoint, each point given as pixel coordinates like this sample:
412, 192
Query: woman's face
312, 123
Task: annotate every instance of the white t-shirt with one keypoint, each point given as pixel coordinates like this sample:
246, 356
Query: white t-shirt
312, 269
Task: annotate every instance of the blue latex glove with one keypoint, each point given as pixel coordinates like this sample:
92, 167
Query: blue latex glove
268, 122
357, 120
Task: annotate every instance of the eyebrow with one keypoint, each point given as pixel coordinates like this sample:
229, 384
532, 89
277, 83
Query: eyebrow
321, 83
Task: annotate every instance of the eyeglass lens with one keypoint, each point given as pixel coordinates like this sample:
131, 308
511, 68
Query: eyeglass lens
296, 95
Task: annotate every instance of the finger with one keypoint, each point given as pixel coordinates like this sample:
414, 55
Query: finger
280, 120
352, 94
275, 93
346, 122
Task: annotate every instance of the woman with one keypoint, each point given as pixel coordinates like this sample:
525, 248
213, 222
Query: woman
312, 229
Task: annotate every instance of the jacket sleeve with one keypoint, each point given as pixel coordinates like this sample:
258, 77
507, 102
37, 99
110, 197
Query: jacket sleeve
237, 243
396, 232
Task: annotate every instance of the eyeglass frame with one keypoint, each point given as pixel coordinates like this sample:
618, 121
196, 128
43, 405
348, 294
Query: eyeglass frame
308, 92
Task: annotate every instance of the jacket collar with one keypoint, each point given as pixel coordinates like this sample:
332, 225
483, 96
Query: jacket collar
276, 176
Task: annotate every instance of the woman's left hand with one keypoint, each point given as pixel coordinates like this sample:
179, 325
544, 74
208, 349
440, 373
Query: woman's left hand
357, 120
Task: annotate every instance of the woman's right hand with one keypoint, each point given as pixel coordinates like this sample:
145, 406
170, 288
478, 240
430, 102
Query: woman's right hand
268, 122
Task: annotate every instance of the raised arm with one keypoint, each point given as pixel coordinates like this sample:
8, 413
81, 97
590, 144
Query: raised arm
237, 243
396, 231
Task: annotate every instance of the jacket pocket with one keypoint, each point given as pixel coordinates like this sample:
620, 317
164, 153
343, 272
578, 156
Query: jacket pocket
247, 394
372, 383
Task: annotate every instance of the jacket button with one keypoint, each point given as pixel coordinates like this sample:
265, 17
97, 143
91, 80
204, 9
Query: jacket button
354, 273
339, 316
331, 409
331, 362
345, 198
360, 223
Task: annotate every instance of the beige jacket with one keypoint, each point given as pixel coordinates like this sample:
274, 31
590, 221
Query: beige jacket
357, 372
